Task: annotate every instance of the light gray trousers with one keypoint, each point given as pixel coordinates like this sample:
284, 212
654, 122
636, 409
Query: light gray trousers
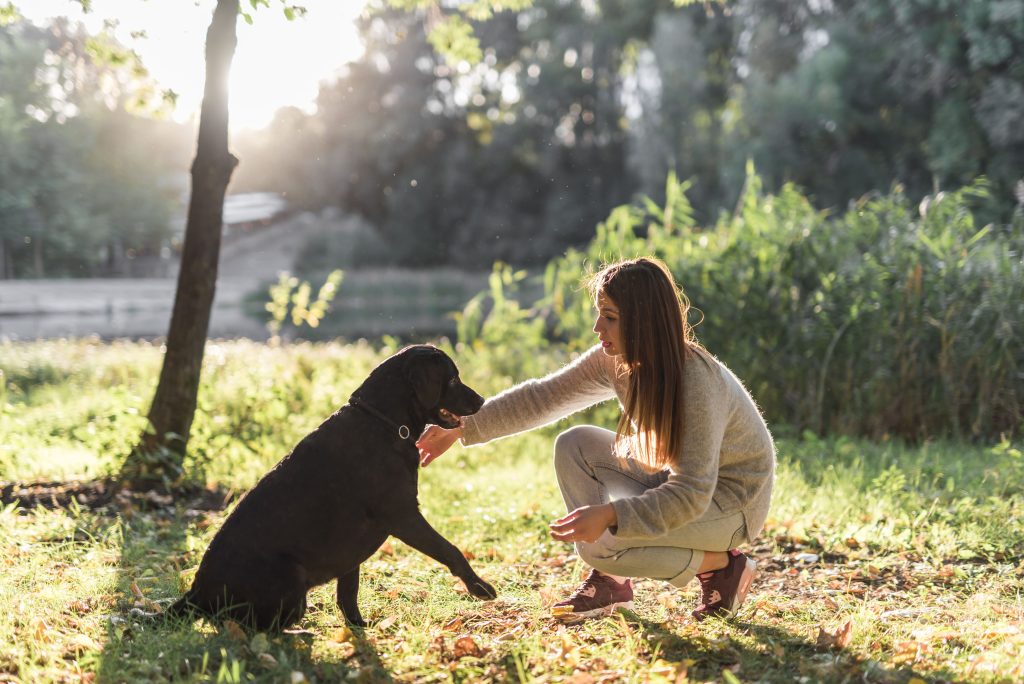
590, 473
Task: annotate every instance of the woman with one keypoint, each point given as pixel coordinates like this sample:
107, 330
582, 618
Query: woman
685, 478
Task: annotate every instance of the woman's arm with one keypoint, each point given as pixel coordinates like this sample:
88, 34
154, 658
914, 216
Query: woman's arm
584, 382
533, 403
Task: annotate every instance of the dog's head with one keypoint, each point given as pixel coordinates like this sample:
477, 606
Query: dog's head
437, 388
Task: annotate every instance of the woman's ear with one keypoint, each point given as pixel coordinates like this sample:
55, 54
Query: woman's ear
427, 379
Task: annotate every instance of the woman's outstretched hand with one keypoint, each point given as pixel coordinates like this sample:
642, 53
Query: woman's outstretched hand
585, 524
434, 441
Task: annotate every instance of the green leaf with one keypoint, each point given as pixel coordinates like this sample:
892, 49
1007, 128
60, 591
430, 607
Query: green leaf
932, 246
8, 14
980, 234
453, 38
292, 12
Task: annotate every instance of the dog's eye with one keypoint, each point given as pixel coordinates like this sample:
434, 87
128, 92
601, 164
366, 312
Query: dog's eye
453, 381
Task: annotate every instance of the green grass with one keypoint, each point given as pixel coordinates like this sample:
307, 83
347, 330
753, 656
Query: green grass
920, 549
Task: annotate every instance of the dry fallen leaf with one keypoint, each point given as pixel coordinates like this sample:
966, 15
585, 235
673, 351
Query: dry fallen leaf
1002, 630
342, 635
466, 646
267, 660
386, 548
931, 634
80, 606
387, 622
345, 651
840, 638
148, 605
668, 600
40, 629
81, 642
910, 651
135, 590
548, 597
234, 631
440, 646
570, 651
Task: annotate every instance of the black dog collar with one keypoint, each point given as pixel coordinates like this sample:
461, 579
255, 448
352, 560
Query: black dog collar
403, 430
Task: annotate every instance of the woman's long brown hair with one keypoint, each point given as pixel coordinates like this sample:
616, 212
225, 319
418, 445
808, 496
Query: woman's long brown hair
657, 341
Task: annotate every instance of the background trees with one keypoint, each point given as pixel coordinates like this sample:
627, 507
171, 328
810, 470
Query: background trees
575, 107
514, 154
86, 183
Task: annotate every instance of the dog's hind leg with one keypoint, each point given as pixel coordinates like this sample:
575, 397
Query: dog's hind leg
348, 592
278, 599
414, 530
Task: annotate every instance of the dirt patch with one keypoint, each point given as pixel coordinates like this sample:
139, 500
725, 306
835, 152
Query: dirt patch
108, 493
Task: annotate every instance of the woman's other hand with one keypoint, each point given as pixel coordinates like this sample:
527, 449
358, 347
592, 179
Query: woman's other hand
585, 524
434, 441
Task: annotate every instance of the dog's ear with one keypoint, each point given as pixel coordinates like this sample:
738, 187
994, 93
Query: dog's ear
426, 374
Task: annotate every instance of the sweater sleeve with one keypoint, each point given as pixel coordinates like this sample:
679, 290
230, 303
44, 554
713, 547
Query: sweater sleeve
533, 403
687, 492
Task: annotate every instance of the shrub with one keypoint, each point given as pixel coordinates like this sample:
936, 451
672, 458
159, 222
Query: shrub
887, 320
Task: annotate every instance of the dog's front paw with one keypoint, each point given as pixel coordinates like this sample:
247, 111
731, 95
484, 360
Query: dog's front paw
481, 589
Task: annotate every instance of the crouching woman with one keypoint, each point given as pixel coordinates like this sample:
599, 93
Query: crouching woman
684, 480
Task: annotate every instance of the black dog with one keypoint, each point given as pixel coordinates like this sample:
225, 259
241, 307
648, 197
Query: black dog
330, 503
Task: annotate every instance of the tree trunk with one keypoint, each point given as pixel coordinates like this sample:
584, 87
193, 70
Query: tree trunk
160, 453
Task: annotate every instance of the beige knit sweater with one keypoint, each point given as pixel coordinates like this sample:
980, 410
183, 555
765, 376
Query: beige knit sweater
727, 459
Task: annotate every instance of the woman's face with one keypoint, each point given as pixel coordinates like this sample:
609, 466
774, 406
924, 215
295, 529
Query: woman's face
607, 325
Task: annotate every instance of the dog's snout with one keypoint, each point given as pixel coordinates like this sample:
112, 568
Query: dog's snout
478, 401
468, 400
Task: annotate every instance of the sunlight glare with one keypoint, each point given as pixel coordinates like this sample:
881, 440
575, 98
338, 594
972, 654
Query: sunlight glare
277, 62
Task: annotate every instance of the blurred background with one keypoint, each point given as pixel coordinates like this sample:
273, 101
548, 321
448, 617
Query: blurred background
362, 149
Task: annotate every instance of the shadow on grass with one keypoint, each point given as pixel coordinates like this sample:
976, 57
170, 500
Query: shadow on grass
769, 654
155, 549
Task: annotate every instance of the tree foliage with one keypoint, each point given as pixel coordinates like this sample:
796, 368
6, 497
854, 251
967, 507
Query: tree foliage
87, 183
575, 107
